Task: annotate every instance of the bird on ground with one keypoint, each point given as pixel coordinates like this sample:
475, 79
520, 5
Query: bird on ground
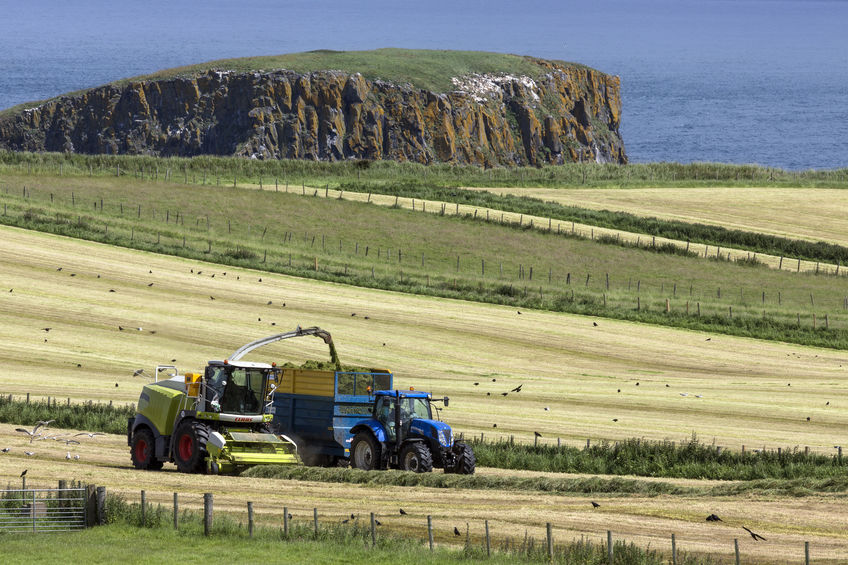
24, 473
367, 318
699, 396
708, 339
684, 394
211, 298
73, 274
402, 512
595, 504
59, 269
615, 419
29, 454
46, 329
270, 302
754, 535
808, 418
494, 425
595, 324
788, 384
519, 312
476, 384
11, 289
494, 380
76, 457
504, 393
488, 394
111, 290
258, 319
79, 365
150, 272
353, 313
150, 284
713, 518
637, 384
455, 529
346, 520
827, 403
173, 360
518, 388
619, 390
666, 385
353, 516
546, 409
213, 276
6, 449
273, 323
376, 521
120, 328
199, 272
260, 279
68, 456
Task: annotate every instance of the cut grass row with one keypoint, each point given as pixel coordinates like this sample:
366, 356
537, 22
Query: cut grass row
692, 459
370, 246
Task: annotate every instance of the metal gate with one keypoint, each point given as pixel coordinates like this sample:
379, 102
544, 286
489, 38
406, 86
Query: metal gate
42, 510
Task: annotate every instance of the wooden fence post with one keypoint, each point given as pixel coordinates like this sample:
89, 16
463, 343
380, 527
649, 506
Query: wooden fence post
315, 519
673, 550
488, 540
176, 511
101, 506
285, 520
143, 507
736, 549
550, 540
373, 531
250, 519
207, 513
806, 553
90, 506
430, 530
609, 547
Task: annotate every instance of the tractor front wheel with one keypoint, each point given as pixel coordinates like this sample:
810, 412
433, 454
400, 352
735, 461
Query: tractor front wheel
464, 460
365, 452
416, 457
190, 446
142, 451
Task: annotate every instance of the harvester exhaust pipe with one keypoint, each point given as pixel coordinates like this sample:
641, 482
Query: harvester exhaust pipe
316, 331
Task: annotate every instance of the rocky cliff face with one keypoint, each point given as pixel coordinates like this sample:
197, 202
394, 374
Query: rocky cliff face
569, 114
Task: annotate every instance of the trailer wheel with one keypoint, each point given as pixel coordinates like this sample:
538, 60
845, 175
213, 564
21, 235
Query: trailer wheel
464, 460
142, 451
416, 457
190, 446
365, 452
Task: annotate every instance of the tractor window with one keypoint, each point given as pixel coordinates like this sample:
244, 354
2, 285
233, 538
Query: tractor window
243, 394
415, 408
385, 413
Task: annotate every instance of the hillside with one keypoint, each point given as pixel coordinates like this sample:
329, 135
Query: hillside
422, 106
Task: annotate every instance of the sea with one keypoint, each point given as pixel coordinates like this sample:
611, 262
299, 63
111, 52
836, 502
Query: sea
731, 81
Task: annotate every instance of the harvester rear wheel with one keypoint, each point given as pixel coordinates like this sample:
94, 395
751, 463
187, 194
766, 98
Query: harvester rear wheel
416, 457
142, 451
464, 462
365, 452
190, 446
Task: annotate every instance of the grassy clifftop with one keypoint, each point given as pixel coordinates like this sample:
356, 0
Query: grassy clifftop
427, 69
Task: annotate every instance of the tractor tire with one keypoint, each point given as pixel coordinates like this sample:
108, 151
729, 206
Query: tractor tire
416, 457
464, 460
366, 452
190, 446
142, 451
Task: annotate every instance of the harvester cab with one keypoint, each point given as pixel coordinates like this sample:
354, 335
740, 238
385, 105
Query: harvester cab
217, 421
403, 434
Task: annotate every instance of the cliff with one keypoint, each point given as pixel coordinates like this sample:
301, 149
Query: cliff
563, 113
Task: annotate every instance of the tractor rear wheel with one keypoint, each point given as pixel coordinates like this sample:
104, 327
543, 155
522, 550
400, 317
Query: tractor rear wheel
464, 460
142, 451
190, 446
365, 452
416, 457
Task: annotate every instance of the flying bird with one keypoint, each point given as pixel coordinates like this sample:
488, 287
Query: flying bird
89, 434
713, 518
518, 388
595, 504
754, 535
504, 393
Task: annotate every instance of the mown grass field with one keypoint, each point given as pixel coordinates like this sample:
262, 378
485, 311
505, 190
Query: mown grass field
814, 214
565, 362
448, 256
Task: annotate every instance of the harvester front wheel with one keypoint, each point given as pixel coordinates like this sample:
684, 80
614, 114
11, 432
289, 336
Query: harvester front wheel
365, 452
416, 457
142, 451
464, 460
190, 447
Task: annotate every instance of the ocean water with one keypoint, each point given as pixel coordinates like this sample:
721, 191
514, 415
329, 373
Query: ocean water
743, 81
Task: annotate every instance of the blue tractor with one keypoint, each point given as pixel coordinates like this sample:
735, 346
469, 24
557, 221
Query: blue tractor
402, 434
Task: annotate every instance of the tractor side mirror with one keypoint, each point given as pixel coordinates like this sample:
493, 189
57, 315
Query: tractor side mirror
447, 401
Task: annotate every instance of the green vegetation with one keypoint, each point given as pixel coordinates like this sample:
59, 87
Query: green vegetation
90, 416
455, 257
691, 460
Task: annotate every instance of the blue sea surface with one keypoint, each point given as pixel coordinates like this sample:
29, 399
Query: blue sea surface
744, 81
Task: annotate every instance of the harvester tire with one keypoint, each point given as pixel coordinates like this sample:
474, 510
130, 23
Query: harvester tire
190, 446
365, 452
465, 462
142, 451
416, 457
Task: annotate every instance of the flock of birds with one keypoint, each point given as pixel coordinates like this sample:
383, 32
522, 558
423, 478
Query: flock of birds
39, 433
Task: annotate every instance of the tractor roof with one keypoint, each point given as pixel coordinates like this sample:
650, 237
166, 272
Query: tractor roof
403, 393
242, 364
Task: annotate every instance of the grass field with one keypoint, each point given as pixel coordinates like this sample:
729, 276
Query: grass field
814, 214
566, 363
389, 248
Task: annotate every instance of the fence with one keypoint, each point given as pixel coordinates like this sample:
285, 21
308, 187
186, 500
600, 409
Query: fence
43, 510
